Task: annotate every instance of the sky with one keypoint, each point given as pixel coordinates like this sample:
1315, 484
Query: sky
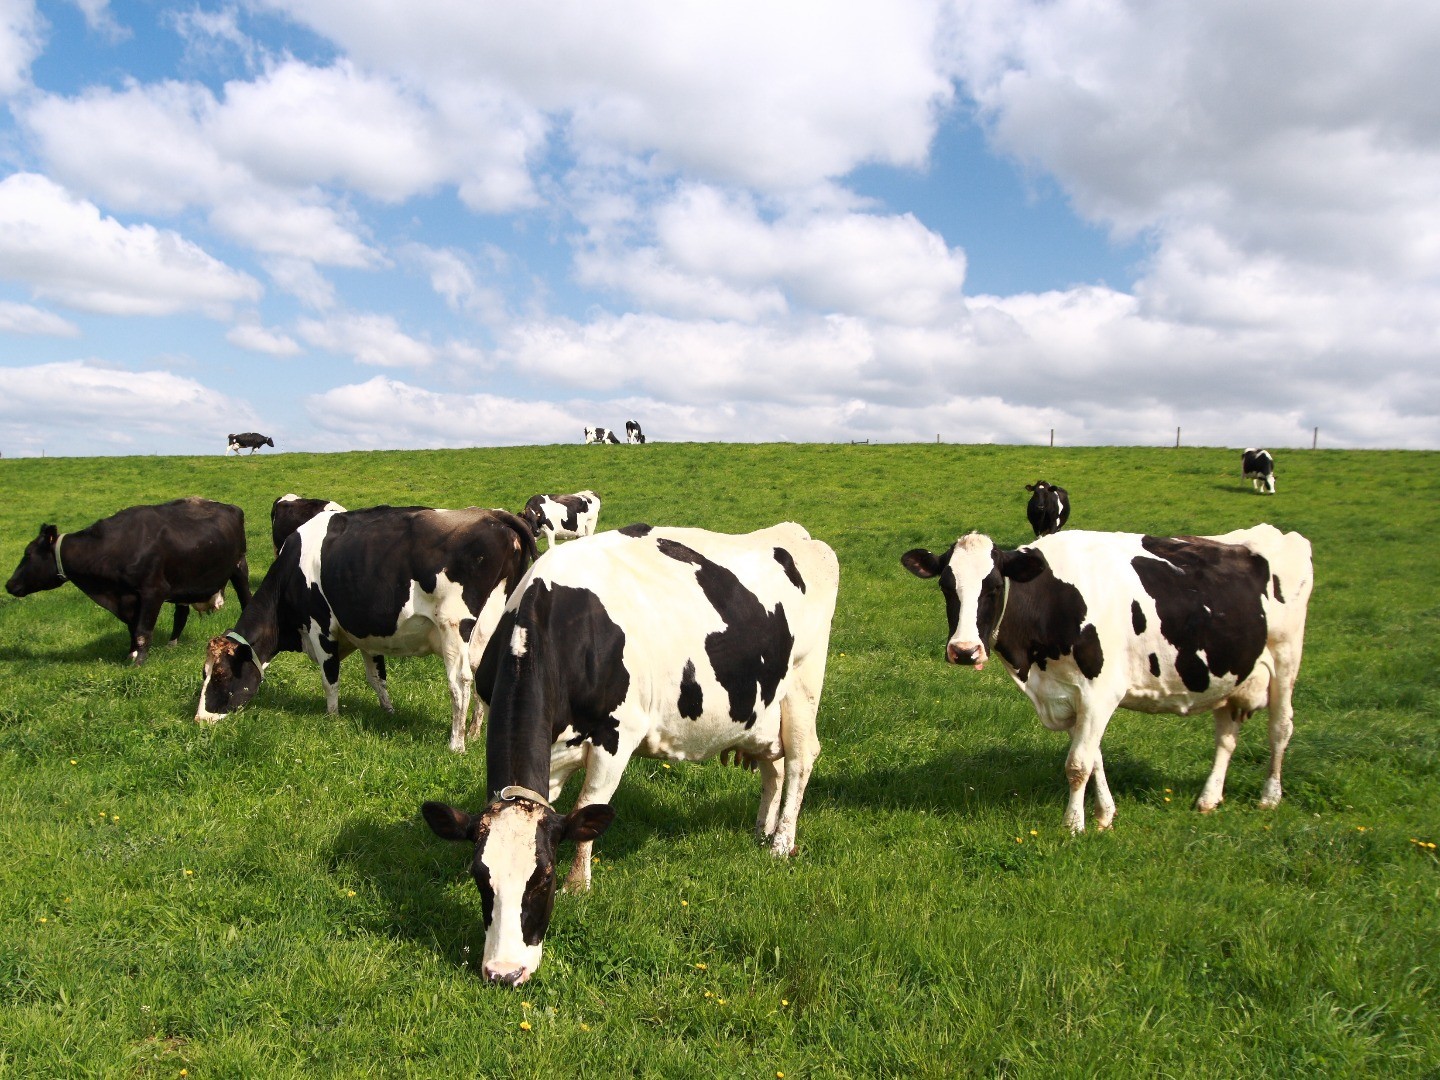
356, 224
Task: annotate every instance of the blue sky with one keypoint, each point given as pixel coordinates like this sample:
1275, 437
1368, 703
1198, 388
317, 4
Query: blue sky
360, 223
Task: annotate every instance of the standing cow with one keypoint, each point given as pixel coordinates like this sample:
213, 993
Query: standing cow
289, 512
252, 440
136, 561
1259, 468
669, 643
633, 434
1089, 622
1048, 509
387, 581
600, 435
562, 517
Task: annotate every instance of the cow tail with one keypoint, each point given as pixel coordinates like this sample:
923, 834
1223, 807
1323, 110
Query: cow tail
522, 531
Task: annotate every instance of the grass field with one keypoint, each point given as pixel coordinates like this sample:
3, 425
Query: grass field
261, 899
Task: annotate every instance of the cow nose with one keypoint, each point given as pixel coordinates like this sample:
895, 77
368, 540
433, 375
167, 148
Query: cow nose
506, 975
969, 655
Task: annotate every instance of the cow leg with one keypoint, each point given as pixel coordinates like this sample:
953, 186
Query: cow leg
768, 820
375, 676
1282, 726
602, 776
182, 614
459, 675
1104, 801
330, 673
240, 579
142, 630
1227, 732
1082, 761
802, 746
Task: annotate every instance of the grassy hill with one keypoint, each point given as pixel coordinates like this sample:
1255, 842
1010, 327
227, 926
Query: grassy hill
261, 899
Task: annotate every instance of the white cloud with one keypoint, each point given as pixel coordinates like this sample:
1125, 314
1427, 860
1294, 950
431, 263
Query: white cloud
367, 339
20, 43
64, 249
69, 407
775, 96
27, 319
262, 339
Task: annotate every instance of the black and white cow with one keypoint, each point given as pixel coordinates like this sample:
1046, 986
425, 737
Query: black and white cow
600, 435
289, 512
1088, 622
386, 581
668, 643
1259, 468
136, 561
252, 440
562, 517
1048, 509
633, 434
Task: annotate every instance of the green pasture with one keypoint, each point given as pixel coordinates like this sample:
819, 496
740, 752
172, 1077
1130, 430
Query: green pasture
261, 899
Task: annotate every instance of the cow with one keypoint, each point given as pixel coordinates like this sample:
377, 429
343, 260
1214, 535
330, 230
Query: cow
562, 517
251, 439
668, 643
1259, 468
600, 435
1048, 509
135, 561
1087, 622
633, 434
289, 512
386, 581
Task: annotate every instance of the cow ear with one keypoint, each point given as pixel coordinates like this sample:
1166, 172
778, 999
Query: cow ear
920, 562
49, 532
449, 822
585, 823
1024, 564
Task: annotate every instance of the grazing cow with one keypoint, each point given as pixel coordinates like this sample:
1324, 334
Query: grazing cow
668, 643
251, 439
136, 561
1087, 622
1259, 468
388, 581
600, 435
1049, 508
289, 512
633, 434
562, 517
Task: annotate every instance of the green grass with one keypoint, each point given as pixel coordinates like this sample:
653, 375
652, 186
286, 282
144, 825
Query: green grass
261, 899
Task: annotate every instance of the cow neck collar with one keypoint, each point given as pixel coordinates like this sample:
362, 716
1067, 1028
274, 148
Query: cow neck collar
515, 791
235, 635
59, 566
1004, 603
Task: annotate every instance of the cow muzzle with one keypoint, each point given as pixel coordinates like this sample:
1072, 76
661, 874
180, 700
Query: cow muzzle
966, 654
503, 974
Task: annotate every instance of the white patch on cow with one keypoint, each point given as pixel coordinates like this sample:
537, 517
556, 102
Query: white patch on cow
510, 856
289, 496
972, 561
517, 641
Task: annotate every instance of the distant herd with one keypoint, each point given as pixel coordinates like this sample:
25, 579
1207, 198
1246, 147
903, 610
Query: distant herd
253, 440
685, 644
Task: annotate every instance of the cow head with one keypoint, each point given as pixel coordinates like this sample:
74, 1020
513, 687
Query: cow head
232, 675
973, 575
38, 569
1039, 487
516, 843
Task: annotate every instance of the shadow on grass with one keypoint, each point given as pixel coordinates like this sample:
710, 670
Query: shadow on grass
1001, 776
112, 647
358, 706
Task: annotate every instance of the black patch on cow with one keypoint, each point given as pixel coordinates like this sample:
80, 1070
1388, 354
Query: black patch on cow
1089, 657
537, 903
1045, 620
467, 627
1209, 599
637, 530
1155, 664
1275, 584
692, 699
752, 653
1137, 617
786, 560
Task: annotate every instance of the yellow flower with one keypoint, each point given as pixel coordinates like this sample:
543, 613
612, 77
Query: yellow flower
74, 762
184, 1072
349, 892
784, 1001
1167, 798
1019, 839
709, 993
524, 1025
719, 1001
525, 1004
43, 919
684, 903
1034, 833
703, 967
665, 766
114, 817
584, 1027
189, 873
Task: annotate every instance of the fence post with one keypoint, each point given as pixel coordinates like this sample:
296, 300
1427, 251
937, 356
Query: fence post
1315, 439
1052, 438
1177, 438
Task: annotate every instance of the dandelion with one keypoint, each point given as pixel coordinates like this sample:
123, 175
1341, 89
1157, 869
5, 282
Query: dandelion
525, 1004
349, 892
1167, 798
784, 1003
114, 817
43, 919
684, 903
189, 873
74, 762
1169, 792
1034, 833
1019, 839
666, 765
584, 1027
524, 1025
709, 994
184, 1072
719, 1001
702, 967
1362, 828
